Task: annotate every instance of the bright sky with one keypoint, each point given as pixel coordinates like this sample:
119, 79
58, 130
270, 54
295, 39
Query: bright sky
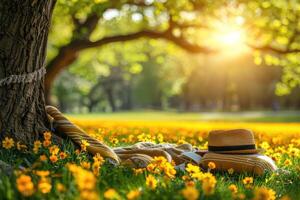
229, 36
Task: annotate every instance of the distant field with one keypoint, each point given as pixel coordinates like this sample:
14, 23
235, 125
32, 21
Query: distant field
255, 116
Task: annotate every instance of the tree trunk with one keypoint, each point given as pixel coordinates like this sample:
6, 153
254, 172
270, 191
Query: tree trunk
93, 101
110, 97
24, 27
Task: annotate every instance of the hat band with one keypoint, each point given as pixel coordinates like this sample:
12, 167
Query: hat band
232, 148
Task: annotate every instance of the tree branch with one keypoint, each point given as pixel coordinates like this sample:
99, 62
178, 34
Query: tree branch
286, 50
84, 44
274, 49
84, 30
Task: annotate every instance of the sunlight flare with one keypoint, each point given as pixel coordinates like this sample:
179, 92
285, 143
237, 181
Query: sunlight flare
232, 37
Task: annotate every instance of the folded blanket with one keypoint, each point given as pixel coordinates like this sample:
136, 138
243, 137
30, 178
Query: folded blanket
137, 155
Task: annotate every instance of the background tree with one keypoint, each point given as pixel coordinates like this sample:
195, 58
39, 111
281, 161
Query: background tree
275, 28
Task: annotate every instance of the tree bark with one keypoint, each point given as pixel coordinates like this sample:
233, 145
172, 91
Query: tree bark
24, 27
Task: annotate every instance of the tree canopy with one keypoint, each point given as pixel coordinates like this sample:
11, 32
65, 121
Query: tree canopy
269, 28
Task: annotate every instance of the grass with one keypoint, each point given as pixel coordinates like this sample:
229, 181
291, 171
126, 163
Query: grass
280, 141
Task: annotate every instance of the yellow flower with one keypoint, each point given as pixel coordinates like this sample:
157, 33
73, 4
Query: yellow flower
47, 135
161, 165
43, 157
159, 160
230, 171
211, 165
54, 150
133, 194
200, 138
190, 193
42, 173
83, 145
111, 194
241, 196
96, 168
85, 165
21, 146
44, 185
190, 184
265, 145
138, 171
98, 158
63, 155
151, 167
115, 141
73, 168
88, 195
285, 197
169, 170
77, 151
98, 161
46, 143
233, 188
181, 141
53, 158
208, 184
199, 176
185, 178
25, 185
36, 146
151, 182
60, 187
264, 194
160, 138
247, 180
287, 162
85, 180
8, 143
192, 169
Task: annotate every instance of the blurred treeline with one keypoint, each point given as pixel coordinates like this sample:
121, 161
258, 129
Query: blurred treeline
154, 74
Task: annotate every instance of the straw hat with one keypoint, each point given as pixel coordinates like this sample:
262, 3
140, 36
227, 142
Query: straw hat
236, 141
